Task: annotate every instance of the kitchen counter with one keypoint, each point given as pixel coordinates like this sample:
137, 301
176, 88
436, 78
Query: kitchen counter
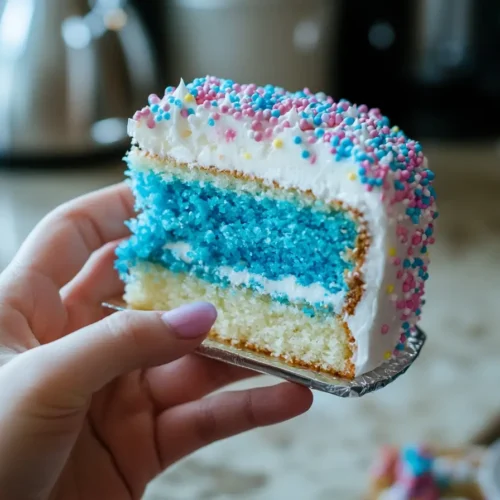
325, 453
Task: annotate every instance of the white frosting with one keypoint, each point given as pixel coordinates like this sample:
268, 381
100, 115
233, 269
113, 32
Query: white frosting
194, 142
287, 286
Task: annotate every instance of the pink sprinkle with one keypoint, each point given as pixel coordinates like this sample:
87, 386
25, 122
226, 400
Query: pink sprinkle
305, 125
399, 274
256, 125
151, 124
273, 120
215, 116
137, 115
385, 329
154, 99
237, 115
286, 124
224, 109
311, 140
266, 114
207, 105
258, 136
268, 133
416, 240
166, 106
313, 159
184, 113
230, 134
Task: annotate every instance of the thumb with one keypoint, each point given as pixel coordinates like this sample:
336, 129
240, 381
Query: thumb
83, 362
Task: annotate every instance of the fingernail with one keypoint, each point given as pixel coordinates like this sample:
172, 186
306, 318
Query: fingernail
191, 320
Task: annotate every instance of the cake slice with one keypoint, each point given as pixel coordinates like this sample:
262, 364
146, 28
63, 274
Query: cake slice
305, 221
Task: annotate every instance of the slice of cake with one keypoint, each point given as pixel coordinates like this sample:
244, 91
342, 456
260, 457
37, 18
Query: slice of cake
305, 221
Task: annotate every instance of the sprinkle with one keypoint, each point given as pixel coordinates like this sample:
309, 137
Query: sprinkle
388, 355
392, 252
384, 329
211, 122
297, 139
247, 156
189, 98
305, 154
186, 133
352, 176
278, 143
390, 289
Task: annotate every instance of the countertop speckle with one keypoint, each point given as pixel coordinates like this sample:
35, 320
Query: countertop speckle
446, 397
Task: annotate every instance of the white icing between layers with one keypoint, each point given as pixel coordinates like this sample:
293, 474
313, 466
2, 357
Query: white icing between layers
313, 293
194, 142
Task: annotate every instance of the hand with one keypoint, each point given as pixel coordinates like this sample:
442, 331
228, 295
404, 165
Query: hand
93, 406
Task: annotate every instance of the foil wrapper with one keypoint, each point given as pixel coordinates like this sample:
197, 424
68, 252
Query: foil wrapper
364, 384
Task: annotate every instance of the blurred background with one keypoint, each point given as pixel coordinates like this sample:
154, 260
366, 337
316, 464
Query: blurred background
73, 71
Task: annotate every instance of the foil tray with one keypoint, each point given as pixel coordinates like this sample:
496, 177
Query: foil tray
360, 386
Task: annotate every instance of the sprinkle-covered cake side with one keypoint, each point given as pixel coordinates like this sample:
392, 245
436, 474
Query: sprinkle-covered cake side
337, 153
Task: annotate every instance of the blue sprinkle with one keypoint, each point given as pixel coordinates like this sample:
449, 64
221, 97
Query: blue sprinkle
346, 142
317, 120
406, 263
178, 103
400, 347
399, 185
297, 139
211, 122
155, 108
423, 249
305, 154
166, 116
349, 120
406, 325
169, 89
158, 118
415, 219
276, 113
335, 141
214, 103
190, 111
319, 132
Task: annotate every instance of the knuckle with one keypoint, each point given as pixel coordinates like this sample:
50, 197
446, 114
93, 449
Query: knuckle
123, 327
248, 410
205, 423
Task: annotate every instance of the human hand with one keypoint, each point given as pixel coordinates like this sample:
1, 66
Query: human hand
93, 405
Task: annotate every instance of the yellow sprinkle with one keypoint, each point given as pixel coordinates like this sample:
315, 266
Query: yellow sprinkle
278, 143
387, 355
392, 252
221, 157
213, 147
189, 98
186, 133
390, 289
352, 176
395, 129
247, 156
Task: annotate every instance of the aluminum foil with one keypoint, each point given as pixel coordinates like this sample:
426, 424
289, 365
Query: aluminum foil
360, 386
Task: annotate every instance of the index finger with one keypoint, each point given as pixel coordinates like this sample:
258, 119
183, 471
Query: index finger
63, 241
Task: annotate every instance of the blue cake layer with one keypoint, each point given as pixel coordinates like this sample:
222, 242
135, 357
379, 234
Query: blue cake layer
268, 237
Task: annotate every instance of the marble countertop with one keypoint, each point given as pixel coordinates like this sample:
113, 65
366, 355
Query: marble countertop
446, 397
